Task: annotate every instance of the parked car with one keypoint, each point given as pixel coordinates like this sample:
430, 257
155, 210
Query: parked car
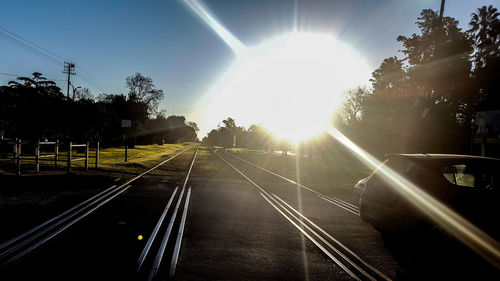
359, 187
470, 185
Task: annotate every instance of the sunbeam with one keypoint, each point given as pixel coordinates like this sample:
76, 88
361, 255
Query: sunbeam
204, 14
277, 92
452, 222
299, 203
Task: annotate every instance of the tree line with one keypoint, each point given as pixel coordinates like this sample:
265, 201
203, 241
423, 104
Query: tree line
35, 108
425, 101
230, 134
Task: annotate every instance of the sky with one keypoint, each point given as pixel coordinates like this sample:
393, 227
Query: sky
165, 40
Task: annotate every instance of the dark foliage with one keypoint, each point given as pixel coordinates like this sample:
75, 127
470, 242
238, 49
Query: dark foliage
427, 101
35, 108
255, 137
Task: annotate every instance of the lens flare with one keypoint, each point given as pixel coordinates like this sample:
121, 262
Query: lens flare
291, 84
204, 14
265, 85
449, 220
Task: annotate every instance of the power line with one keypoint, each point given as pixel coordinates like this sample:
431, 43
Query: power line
86, 78
45, 53
16, 75
91, 79
38, 46
8, 74
27, 47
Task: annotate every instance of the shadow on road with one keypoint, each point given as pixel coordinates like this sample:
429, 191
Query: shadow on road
430, 254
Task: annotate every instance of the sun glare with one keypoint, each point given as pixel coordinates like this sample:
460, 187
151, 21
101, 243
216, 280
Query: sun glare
291, 84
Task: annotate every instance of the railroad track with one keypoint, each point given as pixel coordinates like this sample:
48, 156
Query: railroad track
349, 207
148, 263
350, 262
21, 245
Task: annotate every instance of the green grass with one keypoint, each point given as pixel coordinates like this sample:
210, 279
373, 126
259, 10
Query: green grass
140, 158
328, 173
209, 165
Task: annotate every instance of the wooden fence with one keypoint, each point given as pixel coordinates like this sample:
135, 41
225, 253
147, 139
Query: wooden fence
54, 157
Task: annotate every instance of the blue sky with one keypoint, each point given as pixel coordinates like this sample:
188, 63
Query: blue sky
109, 40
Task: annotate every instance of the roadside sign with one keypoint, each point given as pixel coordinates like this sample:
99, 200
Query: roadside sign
487, 131
126, 123
487, 124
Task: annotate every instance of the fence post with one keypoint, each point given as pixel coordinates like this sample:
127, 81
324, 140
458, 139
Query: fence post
14, 149
69, 157
18, 156
56, 153
97, 155
126, 147
37, 156
87, 157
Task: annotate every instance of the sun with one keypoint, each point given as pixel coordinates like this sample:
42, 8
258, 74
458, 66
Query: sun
291, 84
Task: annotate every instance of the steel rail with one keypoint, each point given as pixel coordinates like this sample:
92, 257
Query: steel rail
298, 220
163, 246
145, 251
36, 245
7, 243
314, 241
341, 202
292, 181
52, 226
191, 166
333, 248
177, 248
166, 236
89, 202
354, 211
379, 273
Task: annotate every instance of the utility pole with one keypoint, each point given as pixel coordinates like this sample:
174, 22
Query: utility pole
69, 68
441, 11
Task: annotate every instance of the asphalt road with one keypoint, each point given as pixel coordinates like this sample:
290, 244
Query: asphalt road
234, 234
231, 232
104, 245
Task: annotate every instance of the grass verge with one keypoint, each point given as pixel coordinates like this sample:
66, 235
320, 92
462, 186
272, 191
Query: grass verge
140, 158
328, 173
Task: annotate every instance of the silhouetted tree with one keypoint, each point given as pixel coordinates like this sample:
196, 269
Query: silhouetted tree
260, 138
29, 107
439, 66
485, 31
34, 107
229, 123
353, 106
142, 89
83, 94
423, 102
194, 126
